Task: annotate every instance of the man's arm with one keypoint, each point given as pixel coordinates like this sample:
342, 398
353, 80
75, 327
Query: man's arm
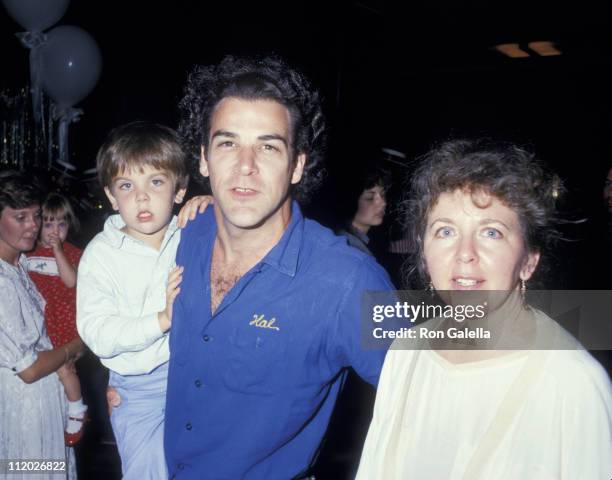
349, 347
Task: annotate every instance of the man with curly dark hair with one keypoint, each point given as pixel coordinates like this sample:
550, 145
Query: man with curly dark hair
265, 79
267, 320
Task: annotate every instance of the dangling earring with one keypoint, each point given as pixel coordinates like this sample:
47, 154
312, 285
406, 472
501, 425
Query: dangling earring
523, 288
430, 288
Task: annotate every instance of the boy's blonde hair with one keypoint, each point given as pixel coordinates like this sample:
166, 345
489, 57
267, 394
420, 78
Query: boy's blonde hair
138, 144
58, 207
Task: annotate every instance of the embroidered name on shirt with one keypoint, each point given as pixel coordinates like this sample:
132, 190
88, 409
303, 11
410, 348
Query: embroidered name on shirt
260, 322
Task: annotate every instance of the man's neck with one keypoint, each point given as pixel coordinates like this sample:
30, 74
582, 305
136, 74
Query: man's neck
237, 250
247, 246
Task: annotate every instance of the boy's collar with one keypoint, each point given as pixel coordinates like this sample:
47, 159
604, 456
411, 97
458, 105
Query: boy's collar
113, 232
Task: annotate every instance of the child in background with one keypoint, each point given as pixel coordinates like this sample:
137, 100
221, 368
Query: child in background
52, 266
125, 294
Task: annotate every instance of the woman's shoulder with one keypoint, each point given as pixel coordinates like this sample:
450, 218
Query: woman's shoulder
6, 278
8, 273
569, 363
577, 371
12, 288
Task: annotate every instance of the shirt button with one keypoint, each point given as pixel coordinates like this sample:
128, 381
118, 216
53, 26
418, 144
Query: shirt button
188, 427
206, 338
181, 466
198, 383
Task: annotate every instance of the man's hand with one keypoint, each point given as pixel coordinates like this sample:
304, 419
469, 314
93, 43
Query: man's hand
175, 277
113, 399
192, 207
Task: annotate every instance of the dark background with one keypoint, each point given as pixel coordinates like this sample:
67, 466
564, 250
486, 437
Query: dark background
394, 74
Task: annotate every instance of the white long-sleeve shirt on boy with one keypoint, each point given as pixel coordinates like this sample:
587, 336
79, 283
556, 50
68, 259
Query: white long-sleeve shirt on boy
121, 287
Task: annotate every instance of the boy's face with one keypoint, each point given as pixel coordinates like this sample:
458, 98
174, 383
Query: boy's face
144, 198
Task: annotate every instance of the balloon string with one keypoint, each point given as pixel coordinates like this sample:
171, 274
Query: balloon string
34, 41
66, 116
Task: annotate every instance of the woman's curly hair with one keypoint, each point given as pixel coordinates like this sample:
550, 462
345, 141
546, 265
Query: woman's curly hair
266, 78
503, 170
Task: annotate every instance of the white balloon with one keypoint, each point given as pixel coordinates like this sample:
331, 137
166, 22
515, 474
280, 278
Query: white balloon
71, 63
36, 15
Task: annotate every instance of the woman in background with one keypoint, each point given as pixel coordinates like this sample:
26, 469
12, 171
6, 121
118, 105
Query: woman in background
32, 401
370, 209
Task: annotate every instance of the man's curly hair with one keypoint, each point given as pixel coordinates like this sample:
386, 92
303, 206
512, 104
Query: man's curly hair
266, 78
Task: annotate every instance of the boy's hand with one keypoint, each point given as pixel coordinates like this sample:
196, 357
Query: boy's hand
172, 290
192, 207
113, 399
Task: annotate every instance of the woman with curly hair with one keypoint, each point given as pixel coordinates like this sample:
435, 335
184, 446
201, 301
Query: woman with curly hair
530, 403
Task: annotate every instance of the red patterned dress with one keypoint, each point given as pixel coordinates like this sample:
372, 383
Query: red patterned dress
60, 310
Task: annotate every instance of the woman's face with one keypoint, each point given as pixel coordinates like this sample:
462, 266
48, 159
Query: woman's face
471, 248
370, 207
18, 231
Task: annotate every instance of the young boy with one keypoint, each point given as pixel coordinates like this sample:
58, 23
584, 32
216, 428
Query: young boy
125, 292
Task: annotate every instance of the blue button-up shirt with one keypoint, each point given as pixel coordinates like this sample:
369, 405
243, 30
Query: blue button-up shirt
252, 386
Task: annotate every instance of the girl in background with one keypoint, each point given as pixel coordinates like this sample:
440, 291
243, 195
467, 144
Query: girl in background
52, 267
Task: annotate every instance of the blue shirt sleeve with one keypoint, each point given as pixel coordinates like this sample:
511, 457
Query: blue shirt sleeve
346, 344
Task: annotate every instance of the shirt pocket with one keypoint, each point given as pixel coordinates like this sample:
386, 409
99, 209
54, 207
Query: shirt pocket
257, 360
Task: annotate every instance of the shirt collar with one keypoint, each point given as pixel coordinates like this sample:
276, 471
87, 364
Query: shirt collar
359, 234
12, 270
284, 255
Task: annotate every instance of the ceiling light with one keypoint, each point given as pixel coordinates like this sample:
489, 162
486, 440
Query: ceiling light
512, 50
545, 49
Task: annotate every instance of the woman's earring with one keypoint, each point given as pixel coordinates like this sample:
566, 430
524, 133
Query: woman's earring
523, 288
430, 288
